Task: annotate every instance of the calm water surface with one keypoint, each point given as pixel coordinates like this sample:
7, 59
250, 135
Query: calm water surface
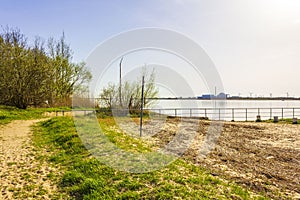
238, 110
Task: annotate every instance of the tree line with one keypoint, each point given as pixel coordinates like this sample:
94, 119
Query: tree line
38, 73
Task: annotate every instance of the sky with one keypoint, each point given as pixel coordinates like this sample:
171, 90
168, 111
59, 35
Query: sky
254, 44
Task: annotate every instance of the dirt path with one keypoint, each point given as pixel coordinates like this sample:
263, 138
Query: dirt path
21, 175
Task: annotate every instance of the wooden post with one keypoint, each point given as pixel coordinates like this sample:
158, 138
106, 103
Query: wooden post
295, 120
142, 107
258, 118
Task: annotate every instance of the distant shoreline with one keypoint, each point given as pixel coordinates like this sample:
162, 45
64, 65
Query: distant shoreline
229, 98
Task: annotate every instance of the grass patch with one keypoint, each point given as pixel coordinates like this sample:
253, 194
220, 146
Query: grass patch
120, 139
282, 121
84, 177
9, 113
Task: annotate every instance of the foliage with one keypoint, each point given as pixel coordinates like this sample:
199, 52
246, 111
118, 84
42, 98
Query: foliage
68, 77
32, 75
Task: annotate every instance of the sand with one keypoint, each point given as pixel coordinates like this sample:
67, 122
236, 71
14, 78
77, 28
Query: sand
22, 176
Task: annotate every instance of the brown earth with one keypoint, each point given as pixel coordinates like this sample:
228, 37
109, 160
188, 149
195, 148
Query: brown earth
22, 176
264, 157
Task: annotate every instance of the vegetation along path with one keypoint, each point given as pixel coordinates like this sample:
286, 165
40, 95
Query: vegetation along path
22, 176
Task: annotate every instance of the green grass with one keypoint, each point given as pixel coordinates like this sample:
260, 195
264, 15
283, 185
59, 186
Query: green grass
85, 177
9, 113
282, 121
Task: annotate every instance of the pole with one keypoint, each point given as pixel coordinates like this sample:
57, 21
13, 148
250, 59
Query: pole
215, 99
120, 84
215, 91
293, 112
142, 107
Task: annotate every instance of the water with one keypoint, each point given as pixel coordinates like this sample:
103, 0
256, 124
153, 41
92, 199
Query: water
238, 110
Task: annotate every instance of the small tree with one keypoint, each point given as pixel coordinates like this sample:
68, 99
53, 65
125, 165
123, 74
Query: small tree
67, 76
131, 93
108, 96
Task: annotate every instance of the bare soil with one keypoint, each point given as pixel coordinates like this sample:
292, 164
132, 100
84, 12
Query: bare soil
262, 156
22, 176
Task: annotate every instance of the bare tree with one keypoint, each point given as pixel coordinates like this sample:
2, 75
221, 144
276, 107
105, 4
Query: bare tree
131, 93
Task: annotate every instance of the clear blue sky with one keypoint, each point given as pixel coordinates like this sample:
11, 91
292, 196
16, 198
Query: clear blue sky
254, 44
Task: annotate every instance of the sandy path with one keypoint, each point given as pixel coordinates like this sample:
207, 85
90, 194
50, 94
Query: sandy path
21, 175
